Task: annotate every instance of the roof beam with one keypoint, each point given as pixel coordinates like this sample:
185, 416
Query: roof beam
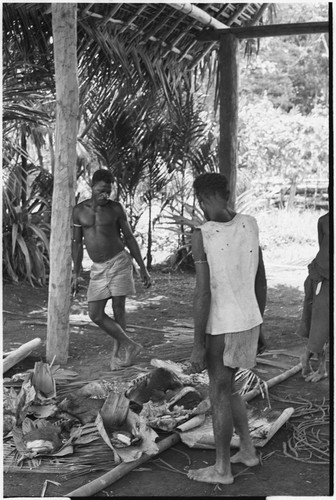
199, 14
265, 31
236, 14
259, 14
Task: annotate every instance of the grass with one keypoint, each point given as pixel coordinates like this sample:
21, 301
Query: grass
289, 237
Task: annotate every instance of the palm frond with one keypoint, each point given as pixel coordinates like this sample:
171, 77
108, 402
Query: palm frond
24, 249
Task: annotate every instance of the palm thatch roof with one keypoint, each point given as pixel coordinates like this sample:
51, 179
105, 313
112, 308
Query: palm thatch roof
169, 30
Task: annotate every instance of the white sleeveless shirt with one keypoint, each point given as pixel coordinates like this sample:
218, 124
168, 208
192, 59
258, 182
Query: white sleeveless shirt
232, 250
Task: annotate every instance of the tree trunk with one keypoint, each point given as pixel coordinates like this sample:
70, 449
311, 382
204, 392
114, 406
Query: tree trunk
228, 118
64, 21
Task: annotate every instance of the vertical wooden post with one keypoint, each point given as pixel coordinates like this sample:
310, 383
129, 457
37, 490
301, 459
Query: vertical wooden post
228, 111
64, 23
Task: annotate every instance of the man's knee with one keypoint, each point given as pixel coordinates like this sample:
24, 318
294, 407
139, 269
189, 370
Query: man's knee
96, 314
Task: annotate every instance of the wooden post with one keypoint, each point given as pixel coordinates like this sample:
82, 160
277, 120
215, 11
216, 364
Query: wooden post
228, 111
64, 23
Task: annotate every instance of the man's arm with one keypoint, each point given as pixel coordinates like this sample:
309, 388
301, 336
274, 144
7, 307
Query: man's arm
261, 294
76, 250
261, 284
201, 303
133, 246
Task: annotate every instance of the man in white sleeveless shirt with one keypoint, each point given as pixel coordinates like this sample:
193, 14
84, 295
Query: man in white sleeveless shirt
229, 302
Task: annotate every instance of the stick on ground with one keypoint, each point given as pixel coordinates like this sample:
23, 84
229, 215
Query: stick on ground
121, 470
19, 354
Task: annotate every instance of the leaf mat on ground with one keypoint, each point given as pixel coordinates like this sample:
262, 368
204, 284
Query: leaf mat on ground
87, 457
94, 456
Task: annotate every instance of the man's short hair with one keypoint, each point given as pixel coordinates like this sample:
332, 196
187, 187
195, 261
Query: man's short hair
102, 175
211, 183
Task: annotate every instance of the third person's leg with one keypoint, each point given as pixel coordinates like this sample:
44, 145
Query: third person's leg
247, 453
220, 396
115, 330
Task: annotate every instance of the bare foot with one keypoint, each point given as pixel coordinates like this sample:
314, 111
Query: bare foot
249, 459
130, 353
210, 475
316, 376
116, 364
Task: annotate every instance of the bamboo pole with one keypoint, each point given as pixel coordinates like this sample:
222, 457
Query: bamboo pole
273, 381
121, 470
198, 14
19, 354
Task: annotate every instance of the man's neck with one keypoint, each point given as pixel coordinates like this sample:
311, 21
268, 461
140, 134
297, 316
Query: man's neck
223, 215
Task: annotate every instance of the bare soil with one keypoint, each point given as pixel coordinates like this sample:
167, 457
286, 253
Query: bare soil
149, 315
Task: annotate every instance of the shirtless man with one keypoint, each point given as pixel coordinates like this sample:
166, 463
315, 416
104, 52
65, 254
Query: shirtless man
315, 315
229, 302
101, 222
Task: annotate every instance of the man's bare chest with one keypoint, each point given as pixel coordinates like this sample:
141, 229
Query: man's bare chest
90, 219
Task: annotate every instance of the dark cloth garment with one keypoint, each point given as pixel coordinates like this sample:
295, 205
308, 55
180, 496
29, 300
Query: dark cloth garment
315, 322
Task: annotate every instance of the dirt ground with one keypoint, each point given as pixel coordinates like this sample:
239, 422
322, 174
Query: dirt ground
153, 316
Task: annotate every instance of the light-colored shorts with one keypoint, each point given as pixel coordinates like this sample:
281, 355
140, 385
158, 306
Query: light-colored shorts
112, 278
240, 348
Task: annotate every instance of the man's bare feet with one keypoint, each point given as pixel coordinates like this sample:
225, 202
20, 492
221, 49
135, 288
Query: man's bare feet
131, 351
306, 366
115, 364
248, 458
210, 475
316, 376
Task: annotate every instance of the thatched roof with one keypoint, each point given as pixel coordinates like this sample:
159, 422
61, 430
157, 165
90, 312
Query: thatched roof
171, 27
168, 30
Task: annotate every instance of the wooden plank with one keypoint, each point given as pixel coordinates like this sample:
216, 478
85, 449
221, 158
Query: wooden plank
228, 111
265, 31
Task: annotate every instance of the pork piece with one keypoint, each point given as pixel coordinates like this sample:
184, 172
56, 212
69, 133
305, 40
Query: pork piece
83, 408
161, 385
45, 440
188, 398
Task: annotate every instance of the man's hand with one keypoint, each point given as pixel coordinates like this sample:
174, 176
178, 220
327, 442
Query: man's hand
145, 277
74, 284
198, 359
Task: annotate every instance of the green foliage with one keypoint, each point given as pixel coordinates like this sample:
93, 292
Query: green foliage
288, 145
292, 71
155, 127
25, 242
